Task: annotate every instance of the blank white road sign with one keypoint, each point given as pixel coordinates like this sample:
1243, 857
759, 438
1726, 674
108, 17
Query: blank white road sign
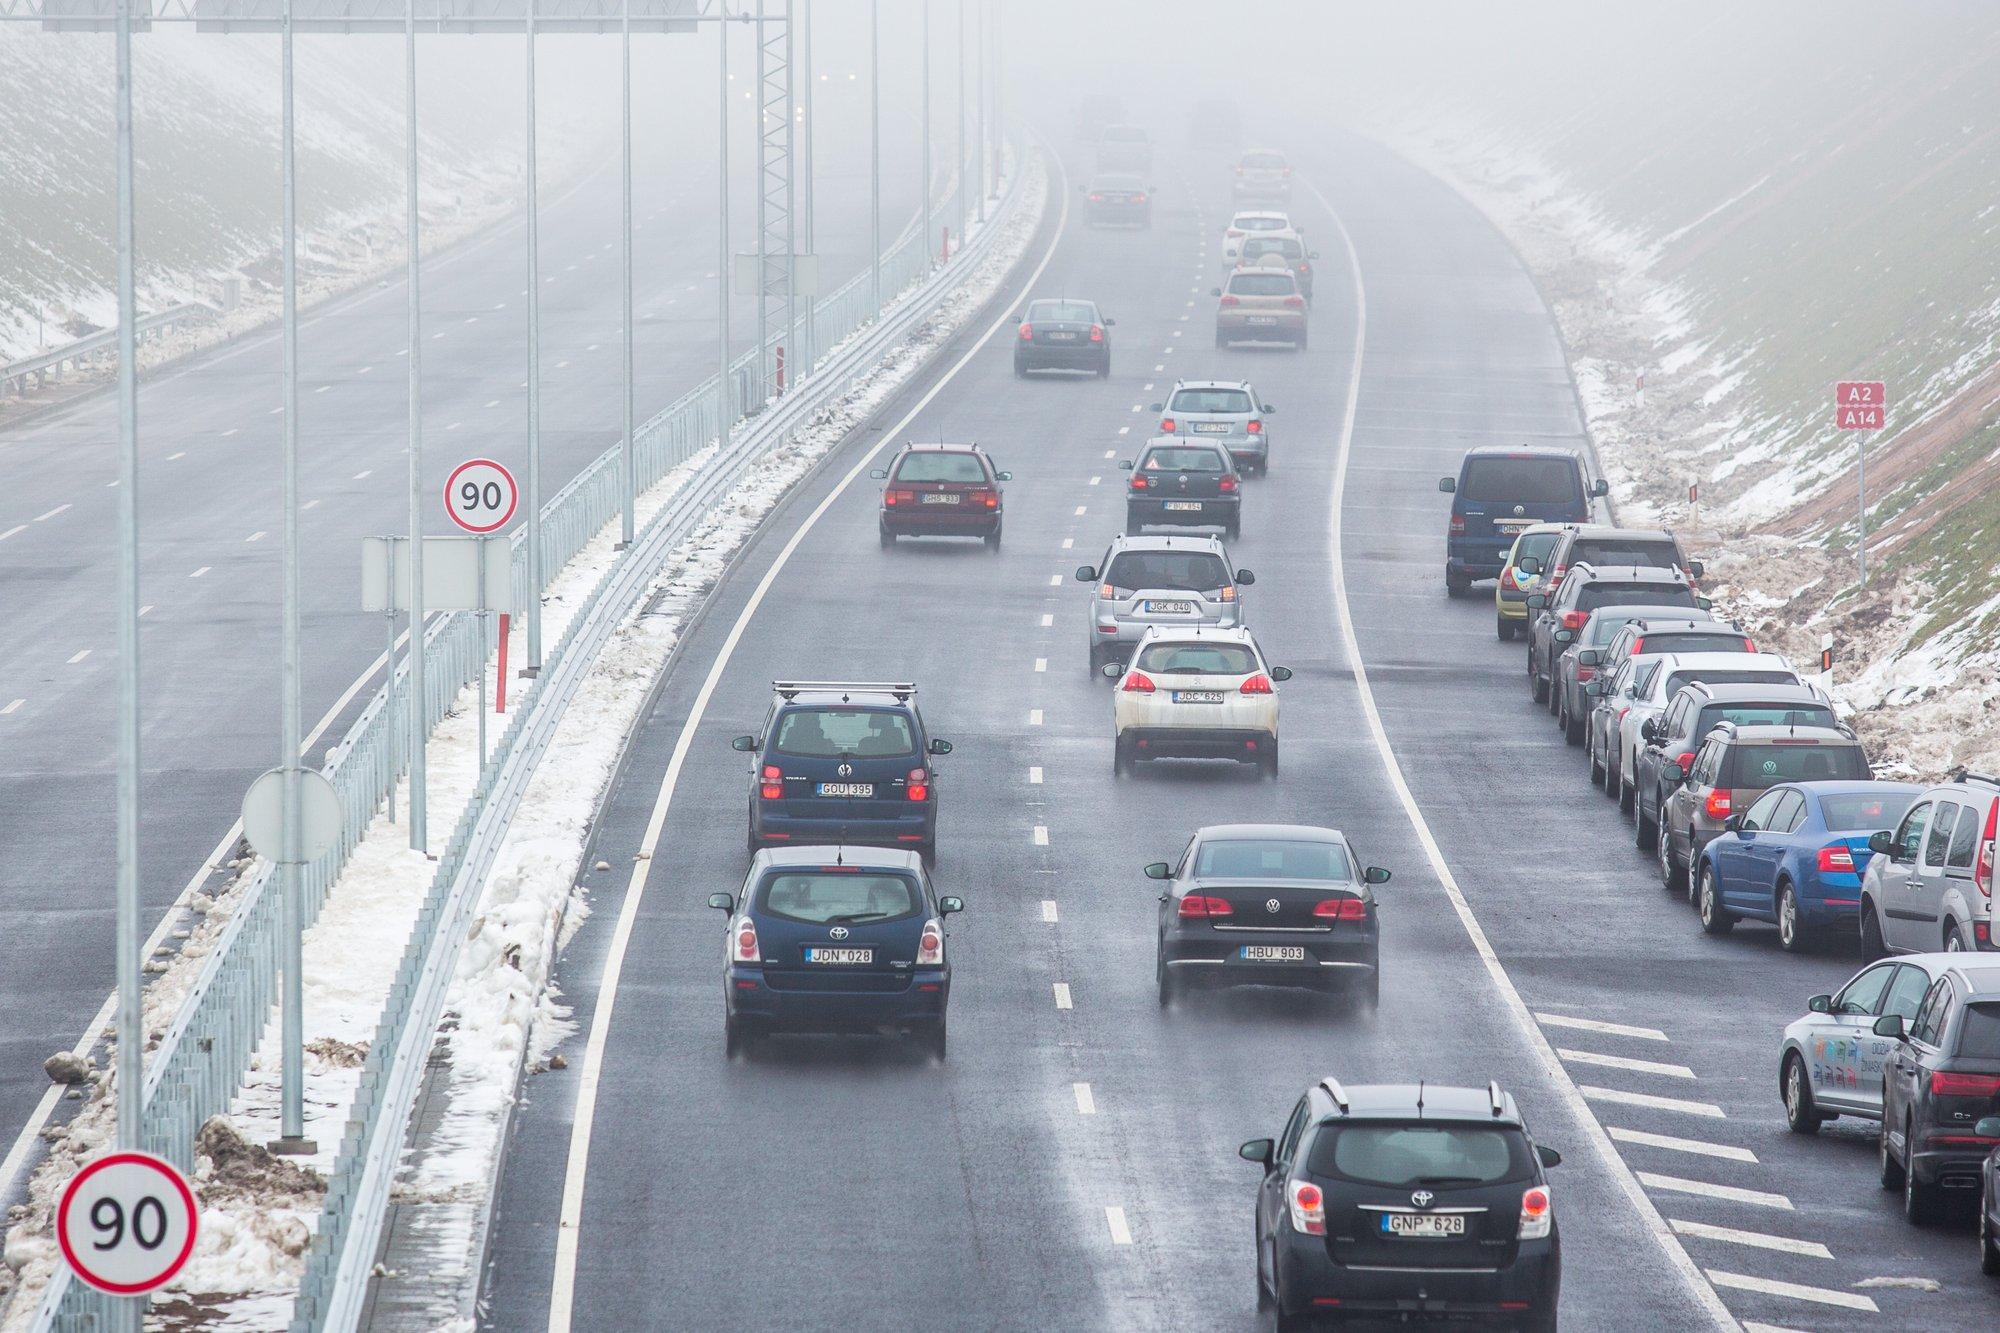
127, 1223
264, 815
451, 573
480, 495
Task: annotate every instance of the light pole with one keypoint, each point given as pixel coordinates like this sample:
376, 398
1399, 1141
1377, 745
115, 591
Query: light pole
979, 111
724, 415
625, 107
131, 1037
964, 162
924, 64
534, 667
413, 244
808, 351
875, 152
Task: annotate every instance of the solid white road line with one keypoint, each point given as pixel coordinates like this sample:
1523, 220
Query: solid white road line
81, 654
1049, 912
1651, 1102
18, 527
1114, 1217
1625, 1062
1035, 775
11, 707
1726, 1151
1062, 995
1642, 1205
1706, 1189
1762, 1240
1597, 1025
1041, 834
562, 1286
1752, 1326
1847, 1300
43, 518
1086, 1104
199, 572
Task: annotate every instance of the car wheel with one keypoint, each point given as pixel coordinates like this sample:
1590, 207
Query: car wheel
1800, 1114
1541, 1321
1892, 1171
1104, 369
888, 538
1572, 728
1952, 943
1715, 919
934, 1041
993, 540
1647, 835
1598, 776
1220, 341
1871, 933
1232, 530
1538, 689
734, 1038
1286, 1322
1989, 1253
1263, 1292
1920, 1201
1794, 936
1164, 980
1503, 628
1672, 878
1269, 764
1121, 758
1020, 371
1369, 991
751, 844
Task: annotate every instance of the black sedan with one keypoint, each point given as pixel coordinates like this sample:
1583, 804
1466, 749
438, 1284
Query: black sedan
1061, 333
1118, 201
1175, 484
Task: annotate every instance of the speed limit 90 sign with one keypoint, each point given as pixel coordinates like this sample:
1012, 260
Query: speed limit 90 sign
480, 496
127, 1223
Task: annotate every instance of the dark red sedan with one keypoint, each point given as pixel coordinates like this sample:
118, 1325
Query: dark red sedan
941, 490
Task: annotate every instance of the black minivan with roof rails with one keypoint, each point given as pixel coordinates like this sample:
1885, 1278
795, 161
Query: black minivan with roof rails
1500, 490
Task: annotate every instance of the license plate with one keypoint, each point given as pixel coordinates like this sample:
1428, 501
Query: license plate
940, 498
1274, 953
846, 789
1197, 696
1262, 319
822, 954
1170, 608
1184, 506
1423, 1224
1060, 337
1211, 428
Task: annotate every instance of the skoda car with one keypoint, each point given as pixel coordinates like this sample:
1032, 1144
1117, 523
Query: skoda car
1063, 333
1178, 582
1183, 484
1196, 694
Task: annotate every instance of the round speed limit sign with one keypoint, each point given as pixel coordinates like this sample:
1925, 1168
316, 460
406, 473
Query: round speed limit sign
126, 1223
480, 496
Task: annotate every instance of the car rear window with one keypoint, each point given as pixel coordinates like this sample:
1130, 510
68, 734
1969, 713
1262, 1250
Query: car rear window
1248, 223
1194, 571
1198, 659
1061, 312
1711, 676
1209, 400
1263, 161
1604, 626
1979, 1033
1273, 858
1124, 183
941, 467
1537, 545
1284, 246
1593, 595
1262, 284
823, 897
1766, 715
1692, 641
1520, 480
1767, 765
1866, 810
1405, 1156
1182, 460
831, 733
1655, 554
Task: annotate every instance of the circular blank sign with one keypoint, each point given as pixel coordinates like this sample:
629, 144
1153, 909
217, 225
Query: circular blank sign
480, 496
126, 1223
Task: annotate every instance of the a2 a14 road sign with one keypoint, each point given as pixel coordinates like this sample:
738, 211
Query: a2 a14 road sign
1860, 404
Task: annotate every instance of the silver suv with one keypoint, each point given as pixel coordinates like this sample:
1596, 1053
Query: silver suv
1227, 412
1930, 883
1177, 582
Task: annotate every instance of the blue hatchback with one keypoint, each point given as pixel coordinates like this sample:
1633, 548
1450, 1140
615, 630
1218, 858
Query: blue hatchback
1796, 858
836, 939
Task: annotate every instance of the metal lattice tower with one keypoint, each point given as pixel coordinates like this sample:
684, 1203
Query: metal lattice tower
777, 240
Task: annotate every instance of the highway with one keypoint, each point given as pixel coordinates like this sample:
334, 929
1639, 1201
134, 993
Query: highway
1073, 1163
210, 539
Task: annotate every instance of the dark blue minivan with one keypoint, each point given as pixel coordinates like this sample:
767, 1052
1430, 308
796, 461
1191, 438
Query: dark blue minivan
843, 762
1501, 490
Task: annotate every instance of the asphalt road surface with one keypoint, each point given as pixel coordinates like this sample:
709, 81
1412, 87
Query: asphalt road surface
1073, 1163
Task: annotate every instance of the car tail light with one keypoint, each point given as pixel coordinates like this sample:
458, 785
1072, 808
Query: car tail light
1507, 579
1138, 682
1197, 907
1982, 873
1166, 425
1308, 1208
1027, 332
1305, 268
1097, 199
1638, 646
1341, 909
1573, 620
991, 499
1107, 593
1623, 711
1457, 526
1138, 199
1749, 645
917, 785
1716, 804
1295, 303
1230, 300
1226, 484
773, 785
1538, 1214
1947, 1084
1836, 860
894, 498
1257, 684
1255, 427
930, 949
1555, 575
1097, 333
1585, 673
1138, 482
743, 945
1228, 593
1288, 171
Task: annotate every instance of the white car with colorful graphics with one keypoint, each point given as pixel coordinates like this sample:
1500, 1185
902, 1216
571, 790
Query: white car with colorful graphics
1830, 1062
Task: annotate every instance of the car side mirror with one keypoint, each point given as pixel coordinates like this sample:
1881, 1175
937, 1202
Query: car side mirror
1880, 843
1447, 485
1020, 319
879, 473
1733, 824
1528, 564
1312, 254
1086, 573
1564, 636
1159, 870
722, 902
1890, 1025
1124, 465
1987, 1127
1215, 291
1258, 1151
1649, 730
1267, 409
1588, 657
1156, 407
1245, 577
1820, 1004
1109, 322
744, 744
1537, 601
1549, 1156
1696, 568
1599, 489
1281, 673
1375, 875
1003, 476
940, 747
1113, 670
948, 905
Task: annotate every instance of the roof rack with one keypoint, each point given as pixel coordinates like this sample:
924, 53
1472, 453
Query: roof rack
1494, 1096
903, 690
1335, 1091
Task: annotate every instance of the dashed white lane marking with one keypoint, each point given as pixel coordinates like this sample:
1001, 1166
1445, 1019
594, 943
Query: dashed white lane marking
144, 609
1086, 1103
494, 403
11, 707
1762, 1240
231, 431
199, 572
1069, 543
1048, 619
1626, 1062
79, 657
322, 388
18, 527
1034, 717
1709, 1109
1122, 430
1136, 407
1752, 1326
439, 334
1168, 350
1041, 664
472, 319
1727, 1151
1041, 835
1159, 367
1049, 912
175, 458
1709, 1190
308, 504
362, 475
1081, 510
454, 425
274, 411
43, 518
1847, 1300
109, 484
257, 536
1035, 775
1598, 1025
1114, 1217
1113, 453
364, 370
1055, 580
1095, 480
1062, 995
1148, 388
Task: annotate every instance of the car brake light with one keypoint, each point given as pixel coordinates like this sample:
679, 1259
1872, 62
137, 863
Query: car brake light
1507, 579
773, 785
1537, 1214
893, 498
1574, 620
1836, 860
1138, 199
1308, 1208
1305, 268
1982, 874
1457, 525
1749, 646
1228, 593
1585, 673
1196, 907
1027, 332
743, 949
1234, 232
1107, 593
1138, 483
1166, 425
1556, 574
1947, 1084
1097, 199
930, 949
917, 785
1623, 711
1226, 484
1255, 427
1295, 303
1716, 804
1257, 684
1341, 909
1138, 682
1228, 299
1097, 333
991, 499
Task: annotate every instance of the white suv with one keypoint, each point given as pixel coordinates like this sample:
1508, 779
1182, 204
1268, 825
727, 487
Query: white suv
1255, 222
1196, 693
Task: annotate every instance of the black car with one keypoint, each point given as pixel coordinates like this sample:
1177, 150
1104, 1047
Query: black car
1583, 589
1118, 201
1058, 333
836, 939
1176, 484
843, 762
1989, 1199
1406, 1200
1268, 904
1939, 1086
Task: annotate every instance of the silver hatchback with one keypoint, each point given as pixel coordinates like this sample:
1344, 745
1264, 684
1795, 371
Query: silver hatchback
1224, 412
1176, 582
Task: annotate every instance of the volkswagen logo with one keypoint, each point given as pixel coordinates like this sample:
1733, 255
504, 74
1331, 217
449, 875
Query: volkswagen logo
845, 770
1520, 510
838, 933
1422, 1198
1271, 904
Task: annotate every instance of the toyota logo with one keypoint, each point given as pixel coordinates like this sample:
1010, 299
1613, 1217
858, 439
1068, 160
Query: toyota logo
845, 770
1422, 1198
838, 933
1271, 904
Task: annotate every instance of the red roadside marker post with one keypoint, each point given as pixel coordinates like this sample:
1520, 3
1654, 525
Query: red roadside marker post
1861, 405
481, 496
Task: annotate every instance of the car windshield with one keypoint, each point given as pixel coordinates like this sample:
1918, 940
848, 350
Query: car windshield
1768, 764
1520, 481
1404, 1156
1283, 246
1192, 571
1712, 676
831, 733
1658, 553
1209, 400
1620, 593
1116, 183
1263, 161
1262, 283
1979, 1034
1182, 460
825, 897
929, 466
1198, 659
1251, 222
1273, 858
1866, 810
1694, 641
1062, 312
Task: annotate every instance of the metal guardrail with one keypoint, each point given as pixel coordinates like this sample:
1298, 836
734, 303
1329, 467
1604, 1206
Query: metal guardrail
201, 1059
105, 340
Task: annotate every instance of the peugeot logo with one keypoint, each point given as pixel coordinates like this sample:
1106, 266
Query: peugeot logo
1271, 904
1422, 1198
845, 770
838, 933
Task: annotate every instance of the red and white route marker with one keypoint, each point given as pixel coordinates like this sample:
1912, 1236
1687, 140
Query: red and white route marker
480, 495
1860, 404
127, 1223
